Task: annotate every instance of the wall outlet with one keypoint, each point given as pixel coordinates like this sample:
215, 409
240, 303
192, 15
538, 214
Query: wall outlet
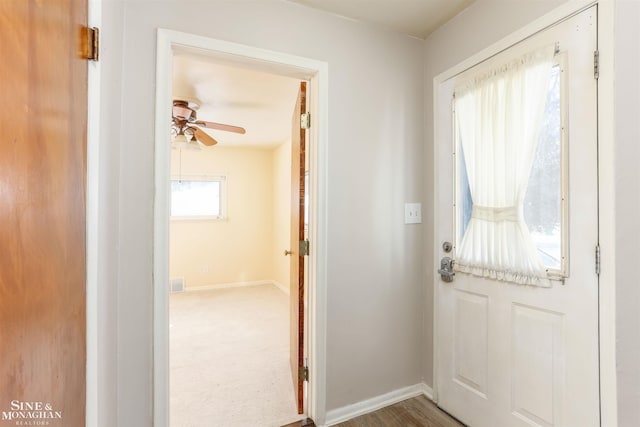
413, 213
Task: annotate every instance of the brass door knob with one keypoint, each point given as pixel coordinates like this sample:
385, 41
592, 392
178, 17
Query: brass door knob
286, 252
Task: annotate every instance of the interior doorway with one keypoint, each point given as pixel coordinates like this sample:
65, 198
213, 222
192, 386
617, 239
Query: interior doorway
171, 45
229, 245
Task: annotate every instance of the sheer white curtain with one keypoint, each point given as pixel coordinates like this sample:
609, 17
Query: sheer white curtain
498, 117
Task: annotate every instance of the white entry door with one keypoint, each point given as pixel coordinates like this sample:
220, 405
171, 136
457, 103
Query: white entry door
509, 354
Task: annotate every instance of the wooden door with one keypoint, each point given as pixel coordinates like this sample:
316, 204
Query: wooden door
43, 122
298, 155
513, 355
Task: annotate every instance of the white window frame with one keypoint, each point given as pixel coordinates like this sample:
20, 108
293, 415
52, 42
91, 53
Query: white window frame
563, 271
222, 180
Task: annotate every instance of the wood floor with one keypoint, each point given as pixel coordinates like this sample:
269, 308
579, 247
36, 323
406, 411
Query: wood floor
307, 422
416, 412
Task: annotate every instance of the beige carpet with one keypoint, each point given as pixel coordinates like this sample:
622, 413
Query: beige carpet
230, 358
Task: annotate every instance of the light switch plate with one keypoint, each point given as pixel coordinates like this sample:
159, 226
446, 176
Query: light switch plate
413, 213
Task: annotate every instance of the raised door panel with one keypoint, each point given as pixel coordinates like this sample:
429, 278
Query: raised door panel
537, 371
470, 369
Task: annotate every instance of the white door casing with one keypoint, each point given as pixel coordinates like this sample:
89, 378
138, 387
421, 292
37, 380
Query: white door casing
514, 355
316, 72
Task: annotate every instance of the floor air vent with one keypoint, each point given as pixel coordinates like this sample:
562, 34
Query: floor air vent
176, 284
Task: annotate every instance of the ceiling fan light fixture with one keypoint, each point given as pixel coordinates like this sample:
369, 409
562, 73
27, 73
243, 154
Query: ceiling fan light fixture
194, 144
179, 141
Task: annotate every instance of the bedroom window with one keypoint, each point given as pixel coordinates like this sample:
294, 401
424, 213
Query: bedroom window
198, 198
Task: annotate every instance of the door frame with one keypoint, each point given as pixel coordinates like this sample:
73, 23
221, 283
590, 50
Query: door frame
92, 387
316, 72
606, 186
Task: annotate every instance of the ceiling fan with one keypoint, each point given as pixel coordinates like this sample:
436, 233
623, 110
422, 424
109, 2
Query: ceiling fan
186, 128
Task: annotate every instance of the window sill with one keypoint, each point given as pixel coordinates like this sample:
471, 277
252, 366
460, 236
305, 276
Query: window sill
198, 218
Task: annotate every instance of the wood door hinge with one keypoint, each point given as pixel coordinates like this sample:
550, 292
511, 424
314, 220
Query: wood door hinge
303, 373
91, 43
598, 259
305, 121
596, 64
303, 248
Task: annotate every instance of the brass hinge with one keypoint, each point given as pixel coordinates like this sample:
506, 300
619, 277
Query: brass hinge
598, 259
596, 64
303, 248
91, 43
305, 121
303, 373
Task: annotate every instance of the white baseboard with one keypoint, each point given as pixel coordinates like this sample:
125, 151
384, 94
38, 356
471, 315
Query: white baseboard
340, 415
427, 391
227, 285
278, 285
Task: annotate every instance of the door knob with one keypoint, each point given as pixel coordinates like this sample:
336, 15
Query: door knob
446, 269
286, 252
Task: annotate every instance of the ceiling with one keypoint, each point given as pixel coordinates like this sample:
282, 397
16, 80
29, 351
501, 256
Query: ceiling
259, 101
418, 18
262, 102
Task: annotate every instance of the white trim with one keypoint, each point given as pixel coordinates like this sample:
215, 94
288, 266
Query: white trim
606, 182
161, 215
94, 19
435, 190
318, 99
282, 63
346, 413
427, 391
606, 215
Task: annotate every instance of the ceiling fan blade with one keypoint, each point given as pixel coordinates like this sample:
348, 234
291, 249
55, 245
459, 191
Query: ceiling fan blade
203, 137
221, 126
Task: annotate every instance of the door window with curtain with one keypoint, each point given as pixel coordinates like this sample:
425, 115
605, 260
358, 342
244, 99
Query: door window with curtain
510, 192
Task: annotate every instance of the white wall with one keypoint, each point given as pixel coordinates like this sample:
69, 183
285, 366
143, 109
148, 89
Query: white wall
380, 103
375, 151
627, 112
